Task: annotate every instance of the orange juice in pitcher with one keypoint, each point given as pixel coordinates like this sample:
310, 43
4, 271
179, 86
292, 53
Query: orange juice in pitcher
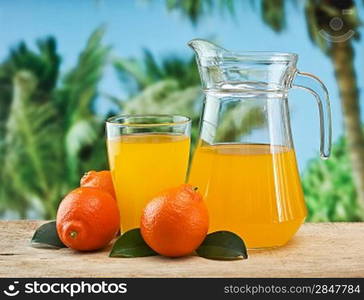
147, 154
253, 190
245, 164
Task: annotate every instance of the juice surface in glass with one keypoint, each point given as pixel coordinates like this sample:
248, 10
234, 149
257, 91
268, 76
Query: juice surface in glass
253, 190
142, 165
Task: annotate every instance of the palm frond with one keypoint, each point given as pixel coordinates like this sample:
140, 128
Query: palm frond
48, 135
164, 97
273, 14
151, 66
44, 65
131, 73
75, 101
195, 10
183, 70
314, 27
79, 87
51, 61
136, 75
31, 151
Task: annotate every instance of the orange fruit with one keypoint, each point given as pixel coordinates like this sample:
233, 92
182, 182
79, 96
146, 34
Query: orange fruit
175, 222
87, 219
99, 179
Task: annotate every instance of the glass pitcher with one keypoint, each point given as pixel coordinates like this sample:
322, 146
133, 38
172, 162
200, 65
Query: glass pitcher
244, 164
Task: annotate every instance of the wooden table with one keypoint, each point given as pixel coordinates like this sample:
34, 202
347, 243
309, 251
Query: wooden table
317, 250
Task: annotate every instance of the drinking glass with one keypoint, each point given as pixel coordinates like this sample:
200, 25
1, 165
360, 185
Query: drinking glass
147, 154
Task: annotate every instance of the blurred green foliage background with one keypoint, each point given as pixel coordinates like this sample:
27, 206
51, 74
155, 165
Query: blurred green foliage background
50, 132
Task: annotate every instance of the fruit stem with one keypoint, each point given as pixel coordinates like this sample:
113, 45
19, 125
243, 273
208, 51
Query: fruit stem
195, 188
73, 234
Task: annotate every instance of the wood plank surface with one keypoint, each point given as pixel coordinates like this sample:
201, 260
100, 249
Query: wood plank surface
317, 250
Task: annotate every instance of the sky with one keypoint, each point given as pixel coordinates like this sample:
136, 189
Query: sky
135, 25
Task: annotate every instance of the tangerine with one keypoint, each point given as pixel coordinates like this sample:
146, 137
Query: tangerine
87, 219
175, 222
99, 179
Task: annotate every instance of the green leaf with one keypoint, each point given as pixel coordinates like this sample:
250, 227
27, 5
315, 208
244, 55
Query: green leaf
131, 244
222, 245
46, 236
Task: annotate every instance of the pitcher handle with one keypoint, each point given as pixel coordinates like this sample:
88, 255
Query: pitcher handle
315, 86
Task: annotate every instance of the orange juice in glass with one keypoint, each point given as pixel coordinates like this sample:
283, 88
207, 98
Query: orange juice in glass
147, 154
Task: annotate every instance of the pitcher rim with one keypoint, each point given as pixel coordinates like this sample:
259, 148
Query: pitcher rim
274, 56
206, 49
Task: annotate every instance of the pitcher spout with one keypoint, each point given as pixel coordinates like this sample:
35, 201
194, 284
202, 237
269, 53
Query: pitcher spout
204, 49
208, 58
